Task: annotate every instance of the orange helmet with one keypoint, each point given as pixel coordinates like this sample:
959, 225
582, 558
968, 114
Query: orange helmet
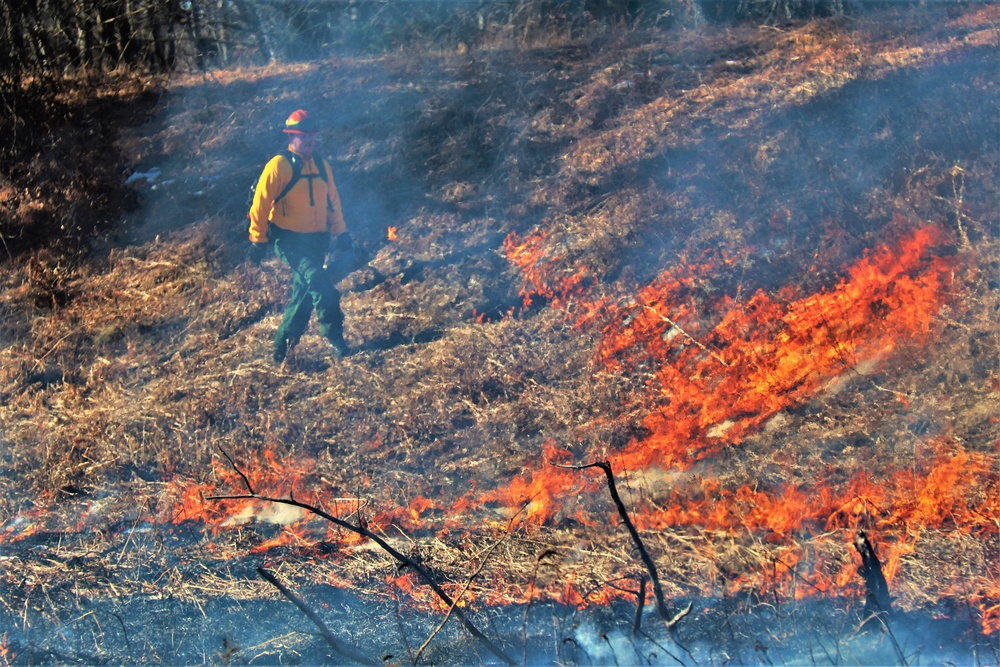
300, 122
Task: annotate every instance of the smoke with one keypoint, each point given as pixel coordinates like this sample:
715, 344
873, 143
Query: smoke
606, 647
273, 513
818, 178
440, 155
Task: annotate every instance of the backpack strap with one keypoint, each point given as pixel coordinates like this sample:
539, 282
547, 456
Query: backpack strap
296, 163
321, 166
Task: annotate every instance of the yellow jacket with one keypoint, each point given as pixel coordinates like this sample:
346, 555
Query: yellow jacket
303, 209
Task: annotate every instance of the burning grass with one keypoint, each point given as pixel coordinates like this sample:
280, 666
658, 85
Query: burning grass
664, 259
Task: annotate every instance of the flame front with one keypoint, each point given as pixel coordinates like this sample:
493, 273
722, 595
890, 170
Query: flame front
719, 372
722, 371
713, 386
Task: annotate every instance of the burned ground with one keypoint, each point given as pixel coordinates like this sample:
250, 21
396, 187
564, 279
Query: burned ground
583, 232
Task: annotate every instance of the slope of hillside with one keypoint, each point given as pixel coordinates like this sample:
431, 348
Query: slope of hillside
756, 269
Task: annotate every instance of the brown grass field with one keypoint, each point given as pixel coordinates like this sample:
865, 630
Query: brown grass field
755, 269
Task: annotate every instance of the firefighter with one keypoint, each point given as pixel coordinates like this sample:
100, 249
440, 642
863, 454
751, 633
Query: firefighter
297, 208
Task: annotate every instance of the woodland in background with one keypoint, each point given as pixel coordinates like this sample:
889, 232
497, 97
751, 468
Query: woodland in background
161, 35
59, 59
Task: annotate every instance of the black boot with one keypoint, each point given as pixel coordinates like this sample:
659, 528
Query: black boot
340, 347
281, 348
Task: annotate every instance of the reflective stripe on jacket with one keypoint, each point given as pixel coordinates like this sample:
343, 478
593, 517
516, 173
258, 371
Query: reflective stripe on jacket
303, 209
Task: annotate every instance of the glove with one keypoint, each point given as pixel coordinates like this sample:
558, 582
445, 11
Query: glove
359, 258
257, 252
343, 242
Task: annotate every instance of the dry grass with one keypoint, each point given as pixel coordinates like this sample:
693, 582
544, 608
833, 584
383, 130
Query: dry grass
122, 376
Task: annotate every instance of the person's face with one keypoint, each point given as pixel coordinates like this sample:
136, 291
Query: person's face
302, 144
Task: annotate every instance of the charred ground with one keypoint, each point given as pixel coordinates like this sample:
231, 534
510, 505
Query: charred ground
136, 342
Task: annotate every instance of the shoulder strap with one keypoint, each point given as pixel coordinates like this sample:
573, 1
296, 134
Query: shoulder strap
321, 166
296, 163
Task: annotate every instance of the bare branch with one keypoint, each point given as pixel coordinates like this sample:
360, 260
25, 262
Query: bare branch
364, 532
640, 604
661, 605
236, 468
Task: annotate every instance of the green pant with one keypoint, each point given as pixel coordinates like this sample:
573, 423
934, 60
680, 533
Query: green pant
312, 288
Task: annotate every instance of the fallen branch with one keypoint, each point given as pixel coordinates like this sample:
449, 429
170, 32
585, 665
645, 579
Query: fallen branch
661, 606
691, 338
468, 583
364, 532
331, 639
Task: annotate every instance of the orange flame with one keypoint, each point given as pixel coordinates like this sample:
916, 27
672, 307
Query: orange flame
990, 612
769, 353
24, 525
6, 655
279, 479
542, 491
713, 385
949, 490
392, 233
543, 277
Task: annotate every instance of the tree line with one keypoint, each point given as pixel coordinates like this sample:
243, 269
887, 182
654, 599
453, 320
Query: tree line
163, 35
44, 36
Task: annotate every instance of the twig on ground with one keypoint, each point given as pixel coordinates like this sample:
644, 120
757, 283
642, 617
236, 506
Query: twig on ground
341, 649
900, 395
661, 606
957, 204
53, 348
468, 582
364, 532
715, 355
